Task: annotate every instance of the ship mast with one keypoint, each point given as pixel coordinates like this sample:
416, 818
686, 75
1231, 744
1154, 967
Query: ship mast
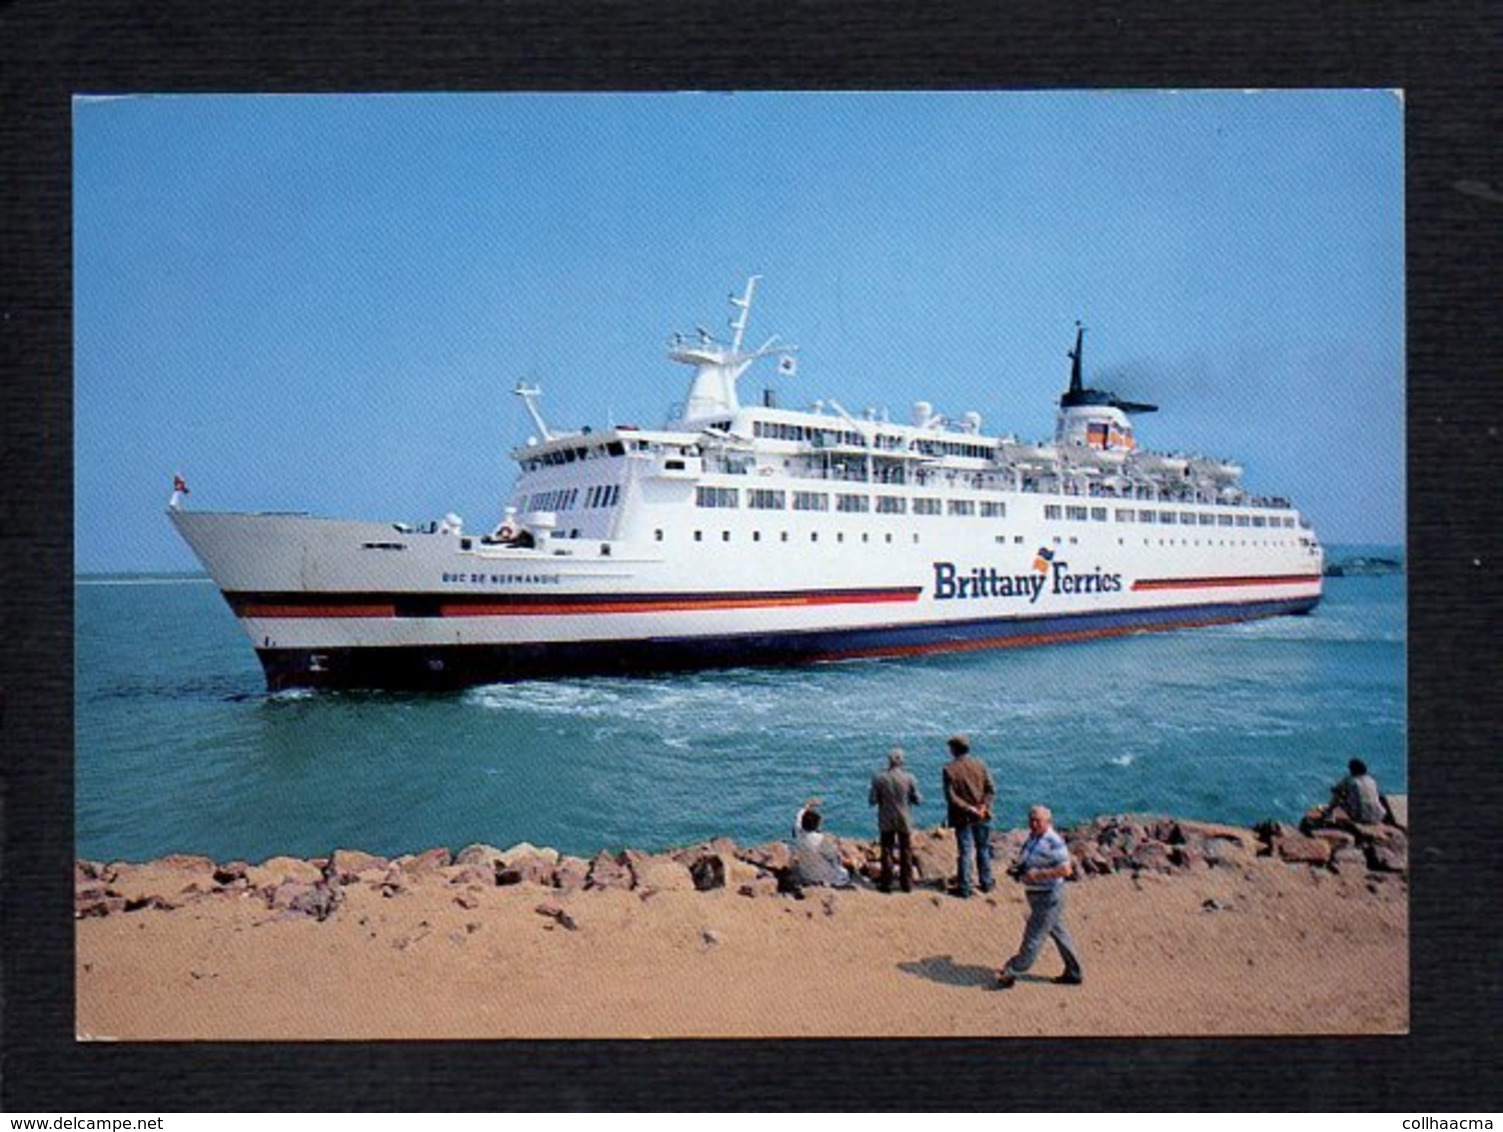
717, 365
530, 395
744, 304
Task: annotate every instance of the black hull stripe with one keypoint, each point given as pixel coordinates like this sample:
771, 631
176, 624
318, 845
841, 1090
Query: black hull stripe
455, 604
454, 666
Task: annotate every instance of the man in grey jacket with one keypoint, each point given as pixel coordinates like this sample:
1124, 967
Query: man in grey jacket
892, 792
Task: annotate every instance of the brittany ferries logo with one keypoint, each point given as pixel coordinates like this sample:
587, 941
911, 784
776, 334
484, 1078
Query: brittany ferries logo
987, 581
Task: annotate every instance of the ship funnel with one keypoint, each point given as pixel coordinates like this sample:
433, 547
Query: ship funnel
1075, 387
1079, 395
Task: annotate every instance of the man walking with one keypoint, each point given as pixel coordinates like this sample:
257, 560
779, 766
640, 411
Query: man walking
892, 792
969, 793
1042, 866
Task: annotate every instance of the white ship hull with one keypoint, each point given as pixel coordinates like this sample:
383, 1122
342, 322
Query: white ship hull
753, 535
334, 603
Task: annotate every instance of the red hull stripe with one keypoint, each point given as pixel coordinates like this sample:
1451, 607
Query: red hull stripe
490, 609
538, 605
1025, 640
1216, 583
251, 609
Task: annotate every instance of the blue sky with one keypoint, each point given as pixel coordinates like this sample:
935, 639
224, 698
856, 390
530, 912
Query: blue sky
322, 303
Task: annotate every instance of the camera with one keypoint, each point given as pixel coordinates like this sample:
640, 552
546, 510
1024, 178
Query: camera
1016, 870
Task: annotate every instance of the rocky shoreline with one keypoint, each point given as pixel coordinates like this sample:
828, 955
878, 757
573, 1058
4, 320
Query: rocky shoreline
1185, 927
294, 887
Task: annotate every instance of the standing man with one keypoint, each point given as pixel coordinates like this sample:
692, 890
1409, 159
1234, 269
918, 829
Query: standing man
1042, 866
969, 793
893, 791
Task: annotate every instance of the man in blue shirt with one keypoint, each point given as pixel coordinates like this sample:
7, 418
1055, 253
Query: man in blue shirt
1042, 866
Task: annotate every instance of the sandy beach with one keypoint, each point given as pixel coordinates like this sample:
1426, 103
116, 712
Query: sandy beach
1261, 938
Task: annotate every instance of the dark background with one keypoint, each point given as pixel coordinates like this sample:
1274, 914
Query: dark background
1446, 59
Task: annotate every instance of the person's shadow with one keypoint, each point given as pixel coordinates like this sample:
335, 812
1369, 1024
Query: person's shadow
944, 969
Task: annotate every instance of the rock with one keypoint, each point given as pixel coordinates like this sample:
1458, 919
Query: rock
161, 903
1186, 856
527, 849
774, 857
477, 875
708, 872
467, 900
185, 862
1348, 859
710, 937
1161, 829
394, 882
1396, 810
274, 871
346, 865
1150, 856
96, 902
1221, 852
316, 900
1006, 846
1389, 854
762, 886
87, 870
607, 872
166, 880
1089, 860
738, 871
525, 868
571, 873
1338, 838
558, 915
1298, 849
1270, 831
723, 847
232, 873
485, 855
1312, 819
662, 874
424, 864
933, 857
1191, 832
1121, 834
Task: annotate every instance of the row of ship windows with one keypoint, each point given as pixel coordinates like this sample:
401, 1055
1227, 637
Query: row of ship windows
777, 430
1059, 540
564, 499
764, 499
561, 456
1187, 518
772, 499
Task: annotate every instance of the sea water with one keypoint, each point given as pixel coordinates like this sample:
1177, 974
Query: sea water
180, 749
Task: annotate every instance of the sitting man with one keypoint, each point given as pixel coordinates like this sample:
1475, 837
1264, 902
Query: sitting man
1357, 794
816, 857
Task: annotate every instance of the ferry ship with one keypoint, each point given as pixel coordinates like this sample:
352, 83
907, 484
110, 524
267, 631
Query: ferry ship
747, 533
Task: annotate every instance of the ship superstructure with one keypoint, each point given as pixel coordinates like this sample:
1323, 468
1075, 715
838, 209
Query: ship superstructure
750, 533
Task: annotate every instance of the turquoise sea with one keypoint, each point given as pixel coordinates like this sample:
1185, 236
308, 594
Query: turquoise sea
180, 749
